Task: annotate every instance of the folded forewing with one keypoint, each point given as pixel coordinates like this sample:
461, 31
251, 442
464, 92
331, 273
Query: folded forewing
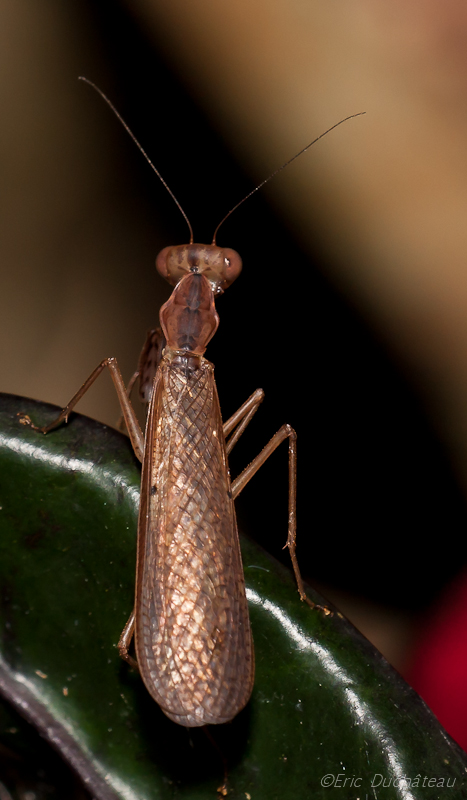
193, 636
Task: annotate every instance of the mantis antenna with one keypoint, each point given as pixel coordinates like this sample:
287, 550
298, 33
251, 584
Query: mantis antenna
129, 131
279, 169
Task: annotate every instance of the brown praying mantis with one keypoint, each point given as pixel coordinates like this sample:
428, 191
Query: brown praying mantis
190, 622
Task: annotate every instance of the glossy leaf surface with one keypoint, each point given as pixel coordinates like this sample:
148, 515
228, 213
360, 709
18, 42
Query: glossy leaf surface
325, 703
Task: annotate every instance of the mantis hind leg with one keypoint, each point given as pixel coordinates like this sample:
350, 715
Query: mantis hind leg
285, 432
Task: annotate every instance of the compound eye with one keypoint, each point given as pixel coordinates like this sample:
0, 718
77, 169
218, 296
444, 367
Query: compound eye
171, 263
161, 263
232, 265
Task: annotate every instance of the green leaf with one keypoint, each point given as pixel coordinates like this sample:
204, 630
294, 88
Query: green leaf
325, 702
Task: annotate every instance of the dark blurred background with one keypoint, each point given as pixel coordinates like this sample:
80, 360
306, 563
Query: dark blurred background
351, 309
